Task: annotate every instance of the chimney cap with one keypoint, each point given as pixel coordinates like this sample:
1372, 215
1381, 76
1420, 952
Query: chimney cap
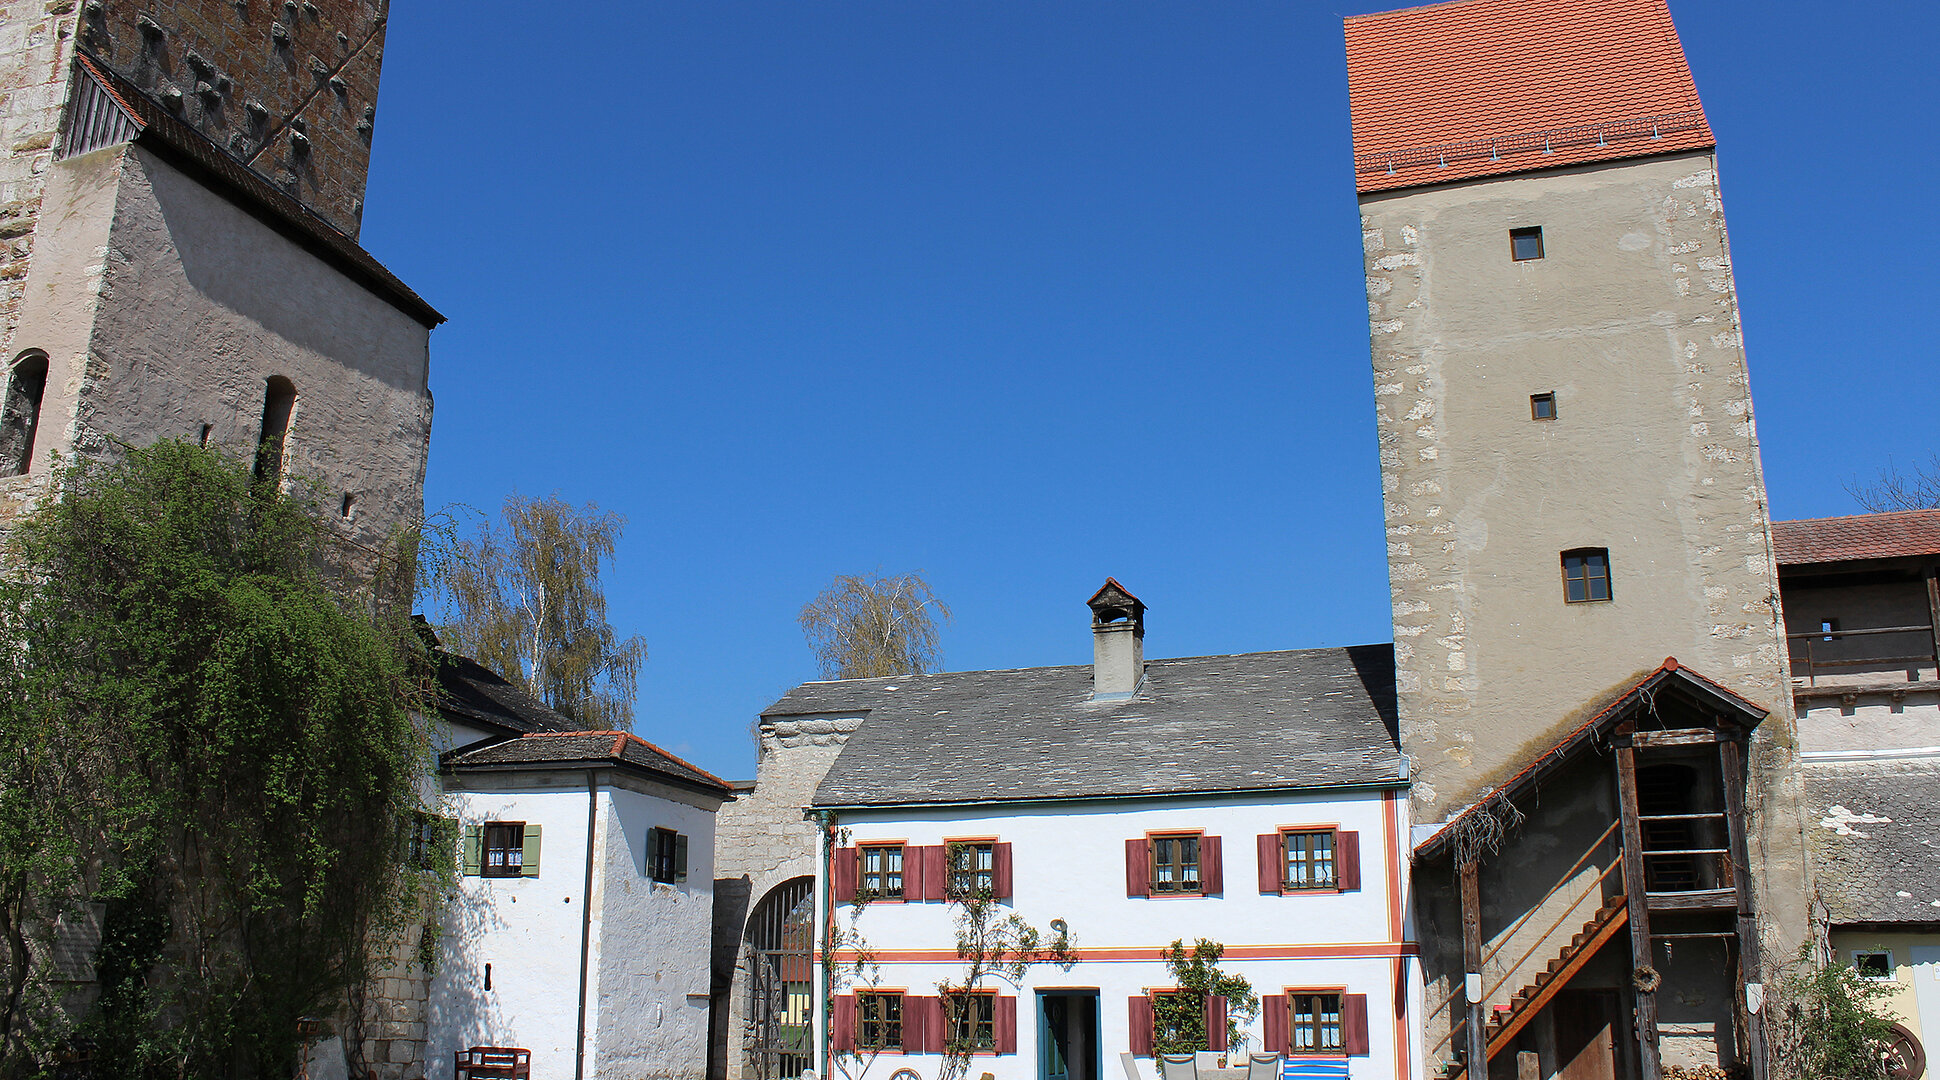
1113, 602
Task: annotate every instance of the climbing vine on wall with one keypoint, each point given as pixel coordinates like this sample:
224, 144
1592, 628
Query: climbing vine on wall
1179, 1017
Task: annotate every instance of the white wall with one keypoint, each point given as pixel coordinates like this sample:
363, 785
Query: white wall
1069, 863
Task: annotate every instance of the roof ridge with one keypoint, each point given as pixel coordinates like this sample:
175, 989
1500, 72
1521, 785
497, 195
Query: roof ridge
682, 762
1870, 515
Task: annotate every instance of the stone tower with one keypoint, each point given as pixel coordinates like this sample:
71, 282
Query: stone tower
179, 211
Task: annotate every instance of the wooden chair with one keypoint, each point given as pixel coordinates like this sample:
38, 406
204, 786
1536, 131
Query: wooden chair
493, 1063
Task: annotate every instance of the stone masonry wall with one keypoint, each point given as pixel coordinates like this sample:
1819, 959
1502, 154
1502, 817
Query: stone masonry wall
36, 49
764, 839
288, 88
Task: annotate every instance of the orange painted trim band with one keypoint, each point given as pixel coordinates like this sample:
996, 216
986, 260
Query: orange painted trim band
1350, 950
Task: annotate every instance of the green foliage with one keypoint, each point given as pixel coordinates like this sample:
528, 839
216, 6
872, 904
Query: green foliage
1824, 1022
874, 626
207, 743
992, 944
1179, 1019
524, 598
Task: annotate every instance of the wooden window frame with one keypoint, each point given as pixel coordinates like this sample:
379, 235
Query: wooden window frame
951, 886
902, 849
1537, 401
863, 999
989, 997
506, 868
432, 838
1526, 232
1585, 553
663, 855
1339, 994
1288, 888
1152, 840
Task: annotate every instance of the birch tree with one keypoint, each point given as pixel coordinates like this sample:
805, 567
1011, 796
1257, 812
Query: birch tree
524, 598
867, 627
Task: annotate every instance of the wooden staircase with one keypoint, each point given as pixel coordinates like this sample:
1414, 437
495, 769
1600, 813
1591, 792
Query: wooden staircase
1528, 1001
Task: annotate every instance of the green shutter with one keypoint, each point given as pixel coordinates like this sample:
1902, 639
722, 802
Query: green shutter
474, 854
680, 857
530, 865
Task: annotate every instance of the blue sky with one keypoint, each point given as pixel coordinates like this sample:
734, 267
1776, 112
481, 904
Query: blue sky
1025, 294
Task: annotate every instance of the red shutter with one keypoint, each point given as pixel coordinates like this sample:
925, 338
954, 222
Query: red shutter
1141, 1020
1000, 870
842, 1036
1347, 859
1215, 1023
922, 1025
935, 872
1270, 862
912, 874
1273, 1018
1138, 869
1353, 1023
1006, 1024
1212, 867
843, 875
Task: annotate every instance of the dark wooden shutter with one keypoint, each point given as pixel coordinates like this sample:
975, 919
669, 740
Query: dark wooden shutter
1347, 859
1270, 862
1353, 1023
842, 875
842, 1035
1000, 871
680, 857
1273, 1019
1212, 868
1215, 1023
1141, 1021
1138, 867
1006, 1024
936, 871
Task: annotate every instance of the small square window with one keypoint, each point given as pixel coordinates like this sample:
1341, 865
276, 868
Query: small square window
1586, 575
1314, 1023
1542, 406
1829, 628
1526, 244
882, 871
880, 1018
1175, 864
1874, 965
972, 1020
973, 869
504, 845
1307, 859
666, 856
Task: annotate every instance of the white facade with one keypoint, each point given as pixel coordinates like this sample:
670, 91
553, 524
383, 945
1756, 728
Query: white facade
1068, 862
642, 952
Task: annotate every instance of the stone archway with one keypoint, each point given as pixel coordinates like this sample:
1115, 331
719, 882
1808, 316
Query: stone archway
777, 956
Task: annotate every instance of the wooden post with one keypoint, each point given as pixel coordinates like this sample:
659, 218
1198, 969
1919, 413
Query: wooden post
1641, 954
1933, 615
1478, 1044
1731, 765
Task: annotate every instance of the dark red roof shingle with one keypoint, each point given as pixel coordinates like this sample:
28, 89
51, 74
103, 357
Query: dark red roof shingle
1489, 87
1857, 536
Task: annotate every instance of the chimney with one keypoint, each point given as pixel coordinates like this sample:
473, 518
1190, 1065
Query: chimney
1117, 642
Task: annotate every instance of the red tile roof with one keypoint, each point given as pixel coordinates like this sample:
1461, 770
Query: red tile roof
1488, 87
1858, 536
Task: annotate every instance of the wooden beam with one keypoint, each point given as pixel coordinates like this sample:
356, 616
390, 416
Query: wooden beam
1933, 615
1472, 962
1681, 737
1731, 765
1555, 984
1695, 900
1649, 1066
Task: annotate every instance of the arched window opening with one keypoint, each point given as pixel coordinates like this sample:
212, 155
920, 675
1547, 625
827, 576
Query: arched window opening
279, 401
20, 418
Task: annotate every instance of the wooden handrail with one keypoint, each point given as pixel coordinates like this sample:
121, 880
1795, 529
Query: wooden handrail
1553, 890
1595, 887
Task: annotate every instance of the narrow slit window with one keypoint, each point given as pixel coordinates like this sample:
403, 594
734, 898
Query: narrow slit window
1526, 244
279, 402
204, 440
1542, 406
1829, 628
349, 507
20, 419
1586, 575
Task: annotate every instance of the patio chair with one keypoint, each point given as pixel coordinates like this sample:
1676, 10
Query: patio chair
1178, 1067
1130, 1064
1262, 1067
493, 1063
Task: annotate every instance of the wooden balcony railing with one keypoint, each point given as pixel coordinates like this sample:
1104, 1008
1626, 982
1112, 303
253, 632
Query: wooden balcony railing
1807, 664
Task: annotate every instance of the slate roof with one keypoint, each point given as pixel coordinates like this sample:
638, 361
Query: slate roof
578, 748
167, 133
470, 691
1857, 536
1491, 87
1875, 834
1258, 721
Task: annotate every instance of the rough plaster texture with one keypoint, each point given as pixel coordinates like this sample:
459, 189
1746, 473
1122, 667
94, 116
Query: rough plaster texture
36, 50
289, 89
176, 313
764, 841
1631, 320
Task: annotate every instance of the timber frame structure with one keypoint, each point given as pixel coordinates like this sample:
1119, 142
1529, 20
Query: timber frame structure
1672, 865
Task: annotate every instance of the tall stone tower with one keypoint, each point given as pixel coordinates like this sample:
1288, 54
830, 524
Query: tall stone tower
179, 213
